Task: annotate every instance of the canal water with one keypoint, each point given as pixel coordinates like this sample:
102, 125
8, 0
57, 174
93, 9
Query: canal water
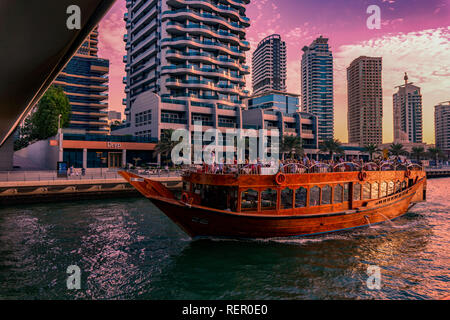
127, 249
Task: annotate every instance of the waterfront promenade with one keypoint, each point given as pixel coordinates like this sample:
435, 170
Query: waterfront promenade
45, 186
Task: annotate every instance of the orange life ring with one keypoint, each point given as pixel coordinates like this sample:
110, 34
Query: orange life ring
280, 178
362, 175
408, 173
185, 197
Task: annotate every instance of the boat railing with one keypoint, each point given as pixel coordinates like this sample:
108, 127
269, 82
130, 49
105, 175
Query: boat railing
371, 166
294, 168
346, 166
297, 168
415, 166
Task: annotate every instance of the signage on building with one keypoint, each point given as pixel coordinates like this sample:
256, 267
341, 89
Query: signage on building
112, 145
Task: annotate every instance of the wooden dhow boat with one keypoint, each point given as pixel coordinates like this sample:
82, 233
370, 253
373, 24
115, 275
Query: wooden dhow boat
296, 201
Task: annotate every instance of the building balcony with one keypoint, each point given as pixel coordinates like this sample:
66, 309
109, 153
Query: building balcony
208, 44
182, 14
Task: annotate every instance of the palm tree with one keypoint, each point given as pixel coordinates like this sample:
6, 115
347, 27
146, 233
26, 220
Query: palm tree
371, 149
434, 153
417, 152
291, 145
165, 144
331, 146
397, 149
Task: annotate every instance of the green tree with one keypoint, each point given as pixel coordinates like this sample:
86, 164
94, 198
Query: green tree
291, 145
45, 119
42, 122
417, 152
331, 146
397, 149
371, 149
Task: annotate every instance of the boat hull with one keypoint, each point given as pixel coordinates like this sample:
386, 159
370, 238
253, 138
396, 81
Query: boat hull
200, 221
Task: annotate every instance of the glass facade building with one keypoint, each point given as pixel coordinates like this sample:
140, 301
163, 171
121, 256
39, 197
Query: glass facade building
85, 82
317, 85
284, 102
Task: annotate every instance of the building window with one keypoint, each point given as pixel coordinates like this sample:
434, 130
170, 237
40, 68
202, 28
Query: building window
286, 198
300, 197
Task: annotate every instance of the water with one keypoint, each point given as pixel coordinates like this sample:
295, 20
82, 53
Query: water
127, 249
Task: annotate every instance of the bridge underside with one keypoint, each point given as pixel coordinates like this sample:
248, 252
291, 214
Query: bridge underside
36, 45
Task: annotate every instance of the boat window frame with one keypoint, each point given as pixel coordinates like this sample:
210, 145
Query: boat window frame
372, 196
341, 198
307, 196
330, 199
354, 193
319, 201
364, 189
276, 199
381, 194
292, 198
242, 192
344, 198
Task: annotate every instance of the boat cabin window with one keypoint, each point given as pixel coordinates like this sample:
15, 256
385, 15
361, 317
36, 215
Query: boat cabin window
366, 191
383, 189
356, 192
300, 197
269, 199
338, 194
398, 186
185, 186
314, 196
375, 190
249, 200
287, 195
390, 188
403, 185
197, 188
219, 197
326, 195
346, 190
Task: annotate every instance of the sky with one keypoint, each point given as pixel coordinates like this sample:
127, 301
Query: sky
414, 37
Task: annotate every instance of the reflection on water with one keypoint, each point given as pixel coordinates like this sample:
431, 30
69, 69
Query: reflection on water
127, 249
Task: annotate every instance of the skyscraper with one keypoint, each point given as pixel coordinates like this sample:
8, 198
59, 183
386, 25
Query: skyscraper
85, 82
269, 65
442, 126
317, 85
365, 101
192, 56
407, 113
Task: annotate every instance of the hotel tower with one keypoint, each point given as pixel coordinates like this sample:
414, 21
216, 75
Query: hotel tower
317, 85
85, 82
269, 65
442, 126
185, 64
365, 101
407, 113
